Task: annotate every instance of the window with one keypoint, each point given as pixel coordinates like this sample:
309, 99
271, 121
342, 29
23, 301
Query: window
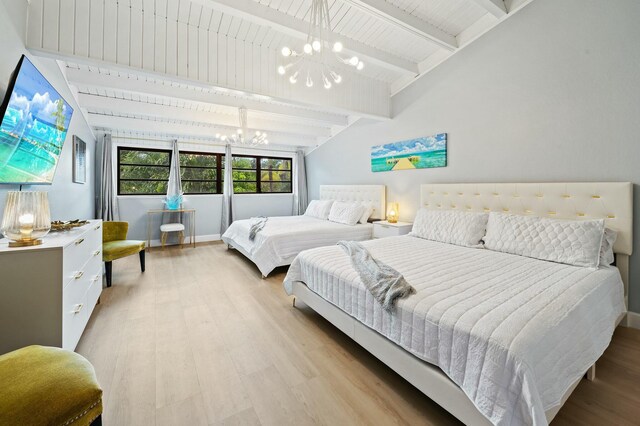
144, 171
260, 175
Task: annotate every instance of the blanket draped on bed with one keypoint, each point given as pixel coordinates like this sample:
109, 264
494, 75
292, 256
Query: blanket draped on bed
257, 223
383, 282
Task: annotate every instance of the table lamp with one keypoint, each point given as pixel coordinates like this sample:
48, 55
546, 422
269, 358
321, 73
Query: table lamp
26, 218
393, 213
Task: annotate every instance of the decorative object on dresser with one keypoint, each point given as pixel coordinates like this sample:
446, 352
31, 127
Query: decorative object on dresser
79, 160
384, 228
47, 292
116, 246
66, 225
420, 153
26, 218
393, 213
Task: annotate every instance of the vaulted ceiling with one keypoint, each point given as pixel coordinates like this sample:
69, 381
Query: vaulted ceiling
182, 68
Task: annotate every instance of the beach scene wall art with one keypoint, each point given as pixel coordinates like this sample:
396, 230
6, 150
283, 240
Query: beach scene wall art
420, 153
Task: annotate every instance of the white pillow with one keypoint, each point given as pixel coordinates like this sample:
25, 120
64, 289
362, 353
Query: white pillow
368, 211
606, 249
345, 212
574, 242
450, 226
319, 209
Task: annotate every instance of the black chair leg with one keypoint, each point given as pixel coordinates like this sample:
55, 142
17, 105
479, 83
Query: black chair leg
107, 266
142, 260
97, 421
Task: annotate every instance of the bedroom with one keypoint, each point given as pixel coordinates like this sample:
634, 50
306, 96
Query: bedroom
526, 92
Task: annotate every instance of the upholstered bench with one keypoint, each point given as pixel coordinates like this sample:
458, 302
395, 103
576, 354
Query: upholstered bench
41, 385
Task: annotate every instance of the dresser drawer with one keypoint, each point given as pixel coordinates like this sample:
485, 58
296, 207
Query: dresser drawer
74, 312
84, 247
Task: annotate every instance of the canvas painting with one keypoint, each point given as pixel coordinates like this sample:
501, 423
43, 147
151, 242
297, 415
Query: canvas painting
420, 153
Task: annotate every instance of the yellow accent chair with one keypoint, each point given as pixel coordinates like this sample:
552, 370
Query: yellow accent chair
48, 386
115, 245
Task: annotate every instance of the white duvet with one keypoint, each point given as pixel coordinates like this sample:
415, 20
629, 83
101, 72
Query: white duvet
282, 238
513, 332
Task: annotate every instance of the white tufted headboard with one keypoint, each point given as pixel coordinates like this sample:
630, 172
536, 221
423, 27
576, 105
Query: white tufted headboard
612, 201
372, 193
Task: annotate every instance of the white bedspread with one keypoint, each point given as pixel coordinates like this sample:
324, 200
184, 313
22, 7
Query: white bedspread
513, 332
282, 238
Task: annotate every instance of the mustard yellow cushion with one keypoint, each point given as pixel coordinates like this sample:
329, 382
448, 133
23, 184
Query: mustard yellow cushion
47, 386
116, 249
112, 231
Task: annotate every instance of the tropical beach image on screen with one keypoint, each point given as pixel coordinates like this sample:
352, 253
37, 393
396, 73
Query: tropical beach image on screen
419, 153
33, 129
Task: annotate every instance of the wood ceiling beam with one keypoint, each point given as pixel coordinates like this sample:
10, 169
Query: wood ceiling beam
257, 13
230, 121
183, 130
107, 81
387, 12
495, 7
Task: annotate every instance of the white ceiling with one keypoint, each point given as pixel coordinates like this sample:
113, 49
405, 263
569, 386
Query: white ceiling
181, 68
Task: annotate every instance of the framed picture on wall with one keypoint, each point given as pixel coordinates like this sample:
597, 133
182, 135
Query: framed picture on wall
419, 153
79, 160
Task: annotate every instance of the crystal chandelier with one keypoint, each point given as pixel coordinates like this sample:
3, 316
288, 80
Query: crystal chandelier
241, 135
318, 45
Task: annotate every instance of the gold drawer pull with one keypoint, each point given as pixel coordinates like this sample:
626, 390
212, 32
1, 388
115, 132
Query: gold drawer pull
96, 228
95, 278
97, 252
77, 308
78, 275
80, 241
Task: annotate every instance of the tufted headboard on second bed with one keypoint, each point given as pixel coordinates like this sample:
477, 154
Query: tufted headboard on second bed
375, 194
611, 201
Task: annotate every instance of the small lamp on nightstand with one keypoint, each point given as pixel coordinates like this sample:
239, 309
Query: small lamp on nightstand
26, 218
393, 213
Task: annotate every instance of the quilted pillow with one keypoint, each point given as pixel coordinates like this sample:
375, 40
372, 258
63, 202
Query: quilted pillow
574, 242
347, 213
450, 226
319, 209
368, 211
606, 249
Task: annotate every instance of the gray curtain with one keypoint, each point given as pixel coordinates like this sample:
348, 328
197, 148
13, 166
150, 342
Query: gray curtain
175, 182
108, 201
300, 199
227, 191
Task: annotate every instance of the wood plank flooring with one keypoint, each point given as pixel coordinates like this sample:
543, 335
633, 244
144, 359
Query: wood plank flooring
201, 339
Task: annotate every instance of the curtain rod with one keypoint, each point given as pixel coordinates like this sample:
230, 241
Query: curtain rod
199, 143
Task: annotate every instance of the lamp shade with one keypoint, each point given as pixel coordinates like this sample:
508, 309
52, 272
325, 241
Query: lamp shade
26, 217
393, 213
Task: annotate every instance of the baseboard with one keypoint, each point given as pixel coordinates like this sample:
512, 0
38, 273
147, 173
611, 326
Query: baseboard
199, 239
633, 320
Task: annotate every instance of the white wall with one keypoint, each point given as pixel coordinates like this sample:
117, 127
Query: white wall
551, 94
68, 200
133, 209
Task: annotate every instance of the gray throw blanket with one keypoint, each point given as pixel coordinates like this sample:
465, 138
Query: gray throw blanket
383, 282
256, 226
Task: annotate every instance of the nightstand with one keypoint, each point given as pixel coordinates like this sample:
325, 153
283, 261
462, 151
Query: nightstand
383, 229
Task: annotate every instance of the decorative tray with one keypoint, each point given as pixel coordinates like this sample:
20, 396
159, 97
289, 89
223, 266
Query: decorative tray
59, 225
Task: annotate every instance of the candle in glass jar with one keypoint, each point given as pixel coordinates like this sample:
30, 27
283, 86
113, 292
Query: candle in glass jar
26, 225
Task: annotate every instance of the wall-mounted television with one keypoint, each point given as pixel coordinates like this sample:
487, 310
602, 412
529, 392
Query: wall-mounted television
35, 120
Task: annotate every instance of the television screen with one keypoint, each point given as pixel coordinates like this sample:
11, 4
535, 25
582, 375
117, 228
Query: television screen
35, 120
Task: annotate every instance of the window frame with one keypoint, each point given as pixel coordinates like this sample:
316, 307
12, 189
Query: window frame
219, 171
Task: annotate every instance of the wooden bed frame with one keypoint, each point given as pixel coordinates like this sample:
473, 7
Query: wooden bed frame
612, 201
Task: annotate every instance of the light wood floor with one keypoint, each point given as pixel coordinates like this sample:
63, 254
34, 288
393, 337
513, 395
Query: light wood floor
201, 339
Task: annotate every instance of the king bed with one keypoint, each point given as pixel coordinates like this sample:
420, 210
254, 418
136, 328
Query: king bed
493, 337
282, 238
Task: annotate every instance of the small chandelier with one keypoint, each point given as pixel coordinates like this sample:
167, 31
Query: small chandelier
241, 135
318, 44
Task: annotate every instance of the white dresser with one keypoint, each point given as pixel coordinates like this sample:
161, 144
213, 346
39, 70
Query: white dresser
47, 292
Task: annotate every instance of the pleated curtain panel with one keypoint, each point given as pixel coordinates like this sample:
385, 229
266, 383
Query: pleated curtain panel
300, 197
174, 187
227, 191
108, 202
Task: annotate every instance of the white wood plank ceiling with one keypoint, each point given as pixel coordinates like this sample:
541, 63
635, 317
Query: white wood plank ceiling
181, 68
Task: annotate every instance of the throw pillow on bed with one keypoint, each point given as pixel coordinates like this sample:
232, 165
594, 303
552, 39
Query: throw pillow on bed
368, 211
450, 226
606, 249
346, 212
319, 209
574, 242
